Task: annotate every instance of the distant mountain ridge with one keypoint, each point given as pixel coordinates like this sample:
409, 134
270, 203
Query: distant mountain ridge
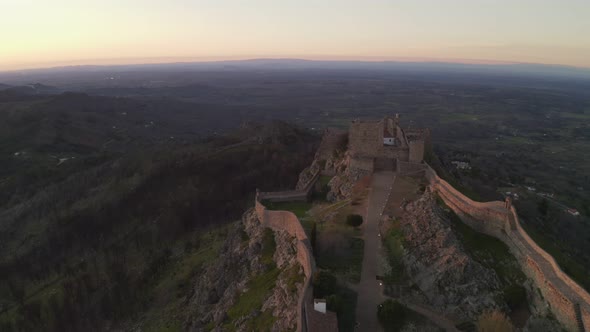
302, 64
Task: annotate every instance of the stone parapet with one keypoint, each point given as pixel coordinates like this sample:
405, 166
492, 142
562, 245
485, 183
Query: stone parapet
288, 222
568, 300
290, 195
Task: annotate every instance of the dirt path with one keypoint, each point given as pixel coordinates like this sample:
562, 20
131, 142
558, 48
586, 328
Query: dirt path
370, 293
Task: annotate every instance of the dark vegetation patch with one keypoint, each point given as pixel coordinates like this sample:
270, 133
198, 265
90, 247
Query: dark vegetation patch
354, 220
393, 242
102, 232
513, 131
338, 297
392, 315
258, 290
494, 254
346, 262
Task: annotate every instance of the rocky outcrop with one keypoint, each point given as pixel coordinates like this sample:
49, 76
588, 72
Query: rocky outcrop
344, 177
307, 175
241, 260
447, 278
284, 299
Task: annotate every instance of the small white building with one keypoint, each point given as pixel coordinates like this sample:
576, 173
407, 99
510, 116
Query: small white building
319, 305
573, 212
461, 165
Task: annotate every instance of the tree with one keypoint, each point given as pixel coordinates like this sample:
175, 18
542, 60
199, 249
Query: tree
354, 220
324, 284
543, 207
494, 321
515, 296
392, 315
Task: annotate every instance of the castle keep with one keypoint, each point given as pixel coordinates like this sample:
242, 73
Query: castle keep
383, 145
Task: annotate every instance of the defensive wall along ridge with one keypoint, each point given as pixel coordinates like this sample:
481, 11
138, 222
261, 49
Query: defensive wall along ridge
287, 221
290, 195
568, 301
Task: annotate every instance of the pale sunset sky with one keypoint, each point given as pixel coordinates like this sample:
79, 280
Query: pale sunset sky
45, 33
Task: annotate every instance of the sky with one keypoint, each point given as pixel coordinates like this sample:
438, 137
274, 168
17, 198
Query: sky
46, 33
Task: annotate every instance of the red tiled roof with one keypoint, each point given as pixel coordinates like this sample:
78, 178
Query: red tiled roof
319, 322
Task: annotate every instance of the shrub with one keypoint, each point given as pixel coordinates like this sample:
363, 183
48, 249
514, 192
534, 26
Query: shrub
334, 302
313, 236
514, 296
392, 315
324, 284
494, 321
354, 220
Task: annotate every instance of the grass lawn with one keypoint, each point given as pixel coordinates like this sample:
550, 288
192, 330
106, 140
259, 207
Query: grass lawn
298, 208
343, 302
393, 244
346, 261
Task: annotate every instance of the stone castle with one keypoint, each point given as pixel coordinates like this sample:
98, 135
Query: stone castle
384, 145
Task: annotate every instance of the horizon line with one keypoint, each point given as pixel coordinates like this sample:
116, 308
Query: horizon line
139, 61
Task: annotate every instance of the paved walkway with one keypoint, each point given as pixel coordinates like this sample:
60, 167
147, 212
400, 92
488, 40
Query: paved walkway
370, 293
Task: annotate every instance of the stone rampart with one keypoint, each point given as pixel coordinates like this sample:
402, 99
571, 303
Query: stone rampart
366, 137
331, 140
491, 216
288, 222
405, 168
290, 195
394, 152
416, 153
562, 293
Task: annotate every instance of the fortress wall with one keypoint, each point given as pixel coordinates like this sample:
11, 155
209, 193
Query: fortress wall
395, 153
365, 137
401, 136
586, 316
365, 164
284, 196
580, 291
492, 218
290, 195
494, 214
391, 125
332, 139
405, 167
416, 151
561, 306
288, 222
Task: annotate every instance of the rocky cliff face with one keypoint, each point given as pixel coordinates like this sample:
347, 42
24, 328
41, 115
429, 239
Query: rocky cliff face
446, 276
332, 158
242, 260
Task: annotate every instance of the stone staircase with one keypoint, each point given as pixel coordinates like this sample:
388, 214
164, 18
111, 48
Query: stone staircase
579, 318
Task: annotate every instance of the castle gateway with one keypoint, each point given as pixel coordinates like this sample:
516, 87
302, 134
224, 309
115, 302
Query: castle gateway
383, 145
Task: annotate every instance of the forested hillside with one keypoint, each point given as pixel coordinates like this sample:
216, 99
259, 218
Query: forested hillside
88, 230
